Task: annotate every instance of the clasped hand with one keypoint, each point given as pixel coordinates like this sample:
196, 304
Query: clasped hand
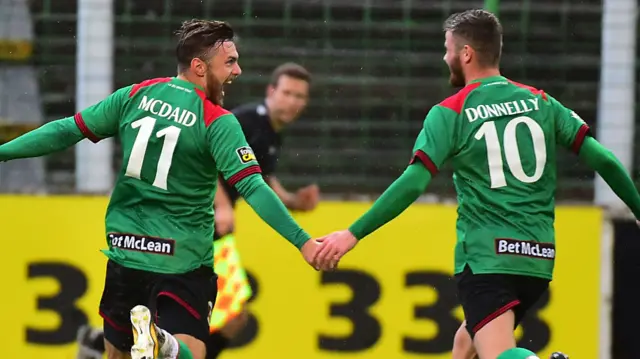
324, 253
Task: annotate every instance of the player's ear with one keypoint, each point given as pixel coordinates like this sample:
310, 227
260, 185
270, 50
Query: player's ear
198, 67
467, 54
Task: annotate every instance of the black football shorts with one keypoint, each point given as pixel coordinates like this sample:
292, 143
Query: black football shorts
484, 297
181, 303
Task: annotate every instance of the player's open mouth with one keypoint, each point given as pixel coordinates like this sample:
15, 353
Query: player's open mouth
228, 82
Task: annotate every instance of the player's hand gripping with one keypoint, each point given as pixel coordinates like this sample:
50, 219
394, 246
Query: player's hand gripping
307, 198
334, 246
310, 251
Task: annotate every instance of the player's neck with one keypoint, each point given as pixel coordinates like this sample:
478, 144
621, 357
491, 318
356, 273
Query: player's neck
481, 74
187, 77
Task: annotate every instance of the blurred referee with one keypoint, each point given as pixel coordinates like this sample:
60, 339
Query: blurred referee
262, 124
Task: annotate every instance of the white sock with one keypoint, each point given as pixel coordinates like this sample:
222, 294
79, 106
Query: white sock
170, 346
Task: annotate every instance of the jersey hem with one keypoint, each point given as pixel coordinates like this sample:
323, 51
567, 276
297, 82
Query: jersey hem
151, 268
510, 271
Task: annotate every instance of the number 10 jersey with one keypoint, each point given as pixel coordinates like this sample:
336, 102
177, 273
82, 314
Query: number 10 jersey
501, 139
174, 142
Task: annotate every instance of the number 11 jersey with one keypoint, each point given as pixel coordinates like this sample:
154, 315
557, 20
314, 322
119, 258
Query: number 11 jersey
174, 142
501, 139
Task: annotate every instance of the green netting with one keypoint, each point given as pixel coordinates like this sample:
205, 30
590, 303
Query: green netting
377, 65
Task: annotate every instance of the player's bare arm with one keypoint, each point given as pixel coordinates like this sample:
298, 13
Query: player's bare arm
305, 199
224, 218
285, 196
222, 197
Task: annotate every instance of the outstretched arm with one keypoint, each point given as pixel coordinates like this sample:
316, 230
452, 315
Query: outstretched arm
605, 163
398, 197
49, 138
235, 159
433, 146
95, 123
268, 206
573, 133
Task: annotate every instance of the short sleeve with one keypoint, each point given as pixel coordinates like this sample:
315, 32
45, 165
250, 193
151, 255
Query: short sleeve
435, 142
233, 156
102, 119
571, 130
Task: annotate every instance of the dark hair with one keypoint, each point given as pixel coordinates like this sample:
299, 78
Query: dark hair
292, 70
196, 39
479, 29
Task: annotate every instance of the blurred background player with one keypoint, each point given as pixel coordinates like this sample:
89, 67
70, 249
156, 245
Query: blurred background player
262, 123
286, 98
501, 138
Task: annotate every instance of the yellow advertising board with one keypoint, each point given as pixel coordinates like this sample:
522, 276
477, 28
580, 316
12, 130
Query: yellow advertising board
393, 296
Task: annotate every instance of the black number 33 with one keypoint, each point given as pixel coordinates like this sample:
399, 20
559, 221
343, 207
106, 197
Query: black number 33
366, 329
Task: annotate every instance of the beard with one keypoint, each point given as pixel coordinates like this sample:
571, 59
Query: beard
215, 92
215, 88
456, 76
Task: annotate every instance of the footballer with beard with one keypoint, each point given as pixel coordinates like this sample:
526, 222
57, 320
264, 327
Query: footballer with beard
501, 138
160, 285
263, 123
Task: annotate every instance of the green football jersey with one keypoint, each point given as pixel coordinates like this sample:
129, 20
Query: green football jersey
501, 138
174, 142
